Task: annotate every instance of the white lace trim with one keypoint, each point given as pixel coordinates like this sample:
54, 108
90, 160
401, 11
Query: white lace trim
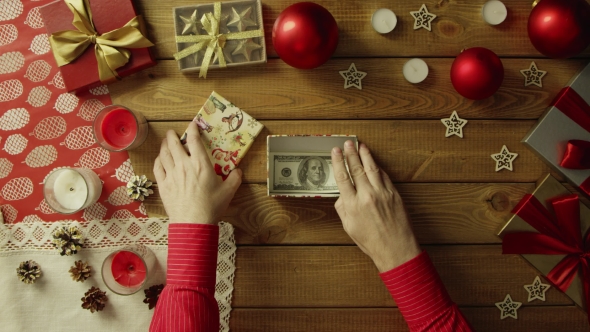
37, 237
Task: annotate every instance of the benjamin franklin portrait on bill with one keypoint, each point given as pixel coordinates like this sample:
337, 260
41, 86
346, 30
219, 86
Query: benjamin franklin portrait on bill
313, 173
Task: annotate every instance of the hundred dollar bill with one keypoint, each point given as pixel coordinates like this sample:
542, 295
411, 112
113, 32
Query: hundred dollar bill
302, 173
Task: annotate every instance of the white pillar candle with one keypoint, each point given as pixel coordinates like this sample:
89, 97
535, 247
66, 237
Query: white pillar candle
494, 12
383, 20
70, 189
415, 70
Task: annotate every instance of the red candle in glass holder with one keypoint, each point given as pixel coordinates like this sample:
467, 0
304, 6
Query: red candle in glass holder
128, 269
119, 128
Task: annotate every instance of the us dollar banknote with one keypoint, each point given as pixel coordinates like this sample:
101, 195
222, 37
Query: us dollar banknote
301, 173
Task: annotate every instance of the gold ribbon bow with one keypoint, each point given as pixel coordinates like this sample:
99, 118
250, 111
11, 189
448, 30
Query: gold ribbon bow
213, 40
110, 48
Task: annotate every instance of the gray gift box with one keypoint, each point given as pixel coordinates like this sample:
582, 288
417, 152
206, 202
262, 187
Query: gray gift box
549, 138
193, 62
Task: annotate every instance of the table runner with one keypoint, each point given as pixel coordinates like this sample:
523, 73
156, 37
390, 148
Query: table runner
43, 127
53, 303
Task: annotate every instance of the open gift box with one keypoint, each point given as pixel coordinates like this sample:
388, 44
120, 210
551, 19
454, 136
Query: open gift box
549, 229
291, 160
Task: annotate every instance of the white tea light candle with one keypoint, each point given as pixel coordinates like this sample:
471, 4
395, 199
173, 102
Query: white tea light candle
415, 70
494, 12
70, 189
383, 20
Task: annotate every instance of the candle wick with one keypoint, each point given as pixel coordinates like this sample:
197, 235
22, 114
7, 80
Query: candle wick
385, 22
413, 67
71, 189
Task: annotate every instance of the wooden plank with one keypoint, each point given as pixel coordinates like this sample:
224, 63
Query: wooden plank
459, 25
387, 320
277, 91
410, 151
343, 276
440, 213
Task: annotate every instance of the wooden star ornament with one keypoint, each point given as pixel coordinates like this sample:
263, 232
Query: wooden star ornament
245, 48
352, 77
508, 308
422, 18
504, 159
536, 290
454, 125
242, 20
533, 76
191, 24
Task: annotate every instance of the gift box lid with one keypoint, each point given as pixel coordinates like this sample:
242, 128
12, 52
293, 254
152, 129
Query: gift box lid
107, 15
549, 188
227, 132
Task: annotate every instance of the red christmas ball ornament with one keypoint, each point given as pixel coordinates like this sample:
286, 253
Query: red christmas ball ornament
477, 73
305, 35
560, 28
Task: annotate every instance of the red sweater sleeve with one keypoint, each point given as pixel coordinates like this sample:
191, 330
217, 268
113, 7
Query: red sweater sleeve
188, 303
422, 298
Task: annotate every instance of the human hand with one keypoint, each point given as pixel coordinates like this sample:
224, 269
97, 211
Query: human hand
371, 210
190, 189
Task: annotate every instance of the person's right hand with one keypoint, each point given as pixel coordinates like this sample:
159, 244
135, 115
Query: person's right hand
371, 210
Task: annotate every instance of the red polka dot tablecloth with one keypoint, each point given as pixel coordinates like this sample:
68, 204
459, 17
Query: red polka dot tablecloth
43, 127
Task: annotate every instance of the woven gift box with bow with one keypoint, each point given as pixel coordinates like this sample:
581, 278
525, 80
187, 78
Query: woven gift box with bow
96, 42
211, 35
562, 136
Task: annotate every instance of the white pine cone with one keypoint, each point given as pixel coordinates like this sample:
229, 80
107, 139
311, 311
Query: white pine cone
138, 187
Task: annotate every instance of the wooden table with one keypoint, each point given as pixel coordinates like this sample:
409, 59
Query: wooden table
297, 270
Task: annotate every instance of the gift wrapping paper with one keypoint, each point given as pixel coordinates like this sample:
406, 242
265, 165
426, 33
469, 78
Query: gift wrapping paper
107, 15
43, 127
568, 118
227, 132
549, 189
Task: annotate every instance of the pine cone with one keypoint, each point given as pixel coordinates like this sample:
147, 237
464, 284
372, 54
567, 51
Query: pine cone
138, 187
152, 295
94, 299
80, 271
28, 272
68, 240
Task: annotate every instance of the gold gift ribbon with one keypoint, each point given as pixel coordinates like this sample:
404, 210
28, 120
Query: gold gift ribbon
110, 48
213, 40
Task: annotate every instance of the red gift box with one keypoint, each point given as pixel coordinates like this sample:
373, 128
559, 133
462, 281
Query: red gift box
107, 15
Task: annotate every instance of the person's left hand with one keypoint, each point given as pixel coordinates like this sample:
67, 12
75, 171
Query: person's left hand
190, 189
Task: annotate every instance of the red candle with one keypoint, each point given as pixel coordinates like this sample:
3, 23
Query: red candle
119, 128
128, 269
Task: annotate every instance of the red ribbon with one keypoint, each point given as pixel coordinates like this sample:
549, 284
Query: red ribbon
559, 234
570, 103
577, 155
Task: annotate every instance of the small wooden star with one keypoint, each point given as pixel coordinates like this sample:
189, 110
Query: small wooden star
508, 307
241, 20
504, 159
533, 76
422, 18
352, 77
191, 24
245, 48
454, 125
536, 290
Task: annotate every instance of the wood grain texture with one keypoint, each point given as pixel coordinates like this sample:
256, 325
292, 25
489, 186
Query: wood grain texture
409, 151
343, 276
277, 91
390, 319
440, 213
459, 25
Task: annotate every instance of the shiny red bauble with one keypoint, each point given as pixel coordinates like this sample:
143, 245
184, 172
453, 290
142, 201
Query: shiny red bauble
477, 73
305, 35
560, 28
